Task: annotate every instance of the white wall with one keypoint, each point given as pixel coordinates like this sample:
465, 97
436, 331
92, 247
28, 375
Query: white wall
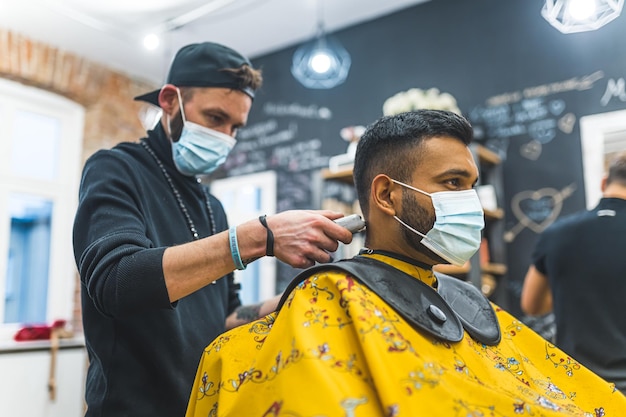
24, 383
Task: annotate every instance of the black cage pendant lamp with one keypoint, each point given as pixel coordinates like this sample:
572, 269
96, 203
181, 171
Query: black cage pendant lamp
321, 63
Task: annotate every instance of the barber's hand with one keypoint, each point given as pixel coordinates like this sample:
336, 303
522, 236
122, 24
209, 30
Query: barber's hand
303, 237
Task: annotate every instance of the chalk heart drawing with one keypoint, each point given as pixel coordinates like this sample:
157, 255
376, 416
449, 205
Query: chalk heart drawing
537, 209
557, 107
531, 150
567, 123
542, 131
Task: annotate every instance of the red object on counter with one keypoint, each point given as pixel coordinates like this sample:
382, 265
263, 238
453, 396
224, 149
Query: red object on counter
37, 332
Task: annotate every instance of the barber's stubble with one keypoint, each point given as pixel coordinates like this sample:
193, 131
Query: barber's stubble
176, 126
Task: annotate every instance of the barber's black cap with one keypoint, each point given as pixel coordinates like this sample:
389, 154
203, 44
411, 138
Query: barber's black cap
201, 65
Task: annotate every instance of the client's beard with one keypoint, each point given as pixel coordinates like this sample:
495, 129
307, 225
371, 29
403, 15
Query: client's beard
419, 219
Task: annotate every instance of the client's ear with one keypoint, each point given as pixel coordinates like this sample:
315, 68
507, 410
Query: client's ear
386, 196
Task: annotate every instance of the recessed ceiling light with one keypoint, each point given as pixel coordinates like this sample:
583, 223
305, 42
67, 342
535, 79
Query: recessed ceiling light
151, 42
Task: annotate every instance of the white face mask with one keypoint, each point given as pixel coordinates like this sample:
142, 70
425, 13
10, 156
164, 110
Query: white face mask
199, 150
459, 220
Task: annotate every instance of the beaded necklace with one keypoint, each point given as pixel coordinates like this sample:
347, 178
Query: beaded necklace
179, 199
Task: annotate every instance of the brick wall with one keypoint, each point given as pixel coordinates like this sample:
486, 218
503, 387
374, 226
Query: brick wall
111, 116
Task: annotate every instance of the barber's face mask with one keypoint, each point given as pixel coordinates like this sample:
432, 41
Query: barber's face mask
459, 220
199, 150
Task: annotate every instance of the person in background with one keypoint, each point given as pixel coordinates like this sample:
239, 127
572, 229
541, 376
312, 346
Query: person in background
380, 334
578, 272
154, 249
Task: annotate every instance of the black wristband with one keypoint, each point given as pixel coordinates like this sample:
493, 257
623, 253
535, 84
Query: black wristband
269, 244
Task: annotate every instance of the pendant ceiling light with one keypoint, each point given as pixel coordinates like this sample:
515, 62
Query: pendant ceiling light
322, 62
571, 16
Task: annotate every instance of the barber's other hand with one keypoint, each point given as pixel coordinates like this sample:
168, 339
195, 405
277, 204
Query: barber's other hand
303, 237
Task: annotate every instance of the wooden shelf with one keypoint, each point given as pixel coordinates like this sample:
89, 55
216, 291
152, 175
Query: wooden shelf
494, 268
488, 268
452, 269
496, 214
344, 175
487, 156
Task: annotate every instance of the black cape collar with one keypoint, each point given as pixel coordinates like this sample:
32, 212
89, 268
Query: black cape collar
442, 313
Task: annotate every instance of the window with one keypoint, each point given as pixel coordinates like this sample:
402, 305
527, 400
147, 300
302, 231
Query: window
40, 155
602, 135
247, 197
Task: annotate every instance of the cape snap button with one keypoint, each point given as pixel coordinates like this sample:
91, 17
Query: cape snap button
436, 313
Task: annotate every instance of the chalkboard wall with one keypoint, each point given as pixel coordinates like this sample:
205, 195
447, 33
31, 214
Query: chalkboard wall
523, 84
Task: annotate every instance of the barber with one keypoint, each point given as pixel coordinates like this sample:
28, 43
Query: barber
153, 247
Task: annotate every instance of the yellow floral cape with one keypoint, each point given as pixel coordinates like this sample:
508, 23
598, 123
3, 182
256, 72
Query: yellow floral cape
337, 349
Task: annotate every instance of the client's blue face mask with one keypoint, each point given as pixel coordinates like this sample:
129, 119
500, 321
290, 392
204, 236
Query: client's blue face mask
459, 220
199, 150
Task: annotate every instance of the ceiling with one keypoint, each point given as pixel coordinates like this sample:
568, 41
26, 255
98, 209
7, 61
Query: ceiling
111, 32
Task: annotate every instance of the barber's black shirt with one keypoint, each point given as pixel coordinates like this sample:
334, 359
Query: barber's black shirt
584, 257
143, 351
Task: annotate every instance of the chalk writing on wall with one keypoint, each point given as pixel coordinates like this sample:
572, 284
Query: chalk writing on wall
573, 84
284, 137
614, 89
537, 209
533, 114
309, 111
284, 141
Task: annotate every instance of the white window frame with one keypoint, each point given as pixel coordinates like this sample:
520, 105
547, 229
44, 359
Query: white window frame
265, 274
593, 131
62, 191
